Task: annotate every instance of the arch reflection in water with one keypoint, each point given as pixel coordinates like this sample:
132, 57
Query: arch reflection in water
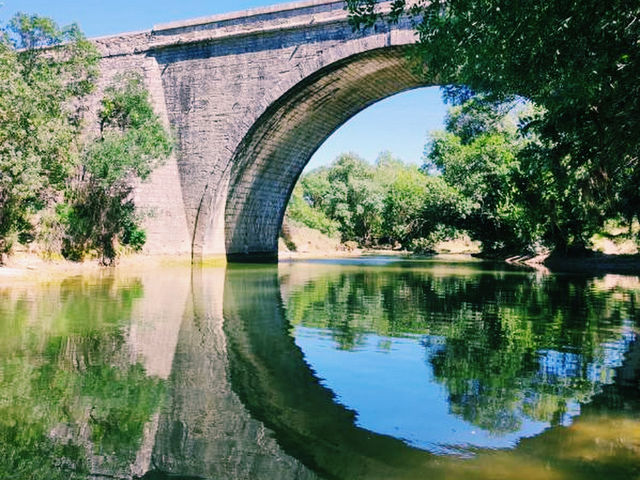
125, 376
179, 374
515, 355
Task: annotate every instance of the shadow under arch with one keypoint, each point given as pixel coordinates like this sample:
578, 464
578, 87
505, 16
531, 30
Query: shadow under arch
272, 155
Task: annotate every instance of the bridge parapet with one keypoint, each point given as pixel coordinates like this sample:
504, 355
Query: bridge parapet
258, 18
259, 21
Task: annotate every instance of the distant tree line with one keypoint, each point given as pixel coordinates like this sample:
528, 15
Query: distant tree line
482, 175
62, 187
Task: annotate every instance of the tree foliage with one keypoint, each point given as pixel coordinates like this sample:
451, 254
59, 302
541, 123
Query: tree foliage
302, 212
388, 203
132, 143
40, 97
481, 175
578, 61
59, 184
347, 194
478, 154
471, 181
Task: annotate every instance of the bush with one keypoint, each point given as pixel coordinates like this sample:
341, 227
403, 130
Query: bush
300, 211
422, 246
350, 246
132, 143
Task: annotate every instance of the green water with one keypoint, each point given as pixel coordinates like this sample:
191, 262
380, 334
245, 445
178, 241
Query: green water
355, 369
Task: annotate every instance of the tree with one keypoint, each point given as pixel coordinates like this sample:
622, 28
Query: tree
131, 144
387, 203
348, 194
477, 155
402, 219
419, 206
577, 60
300, 211
41, 92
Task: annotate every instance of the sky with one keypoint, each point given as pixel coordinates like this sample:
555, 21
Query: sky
399, 124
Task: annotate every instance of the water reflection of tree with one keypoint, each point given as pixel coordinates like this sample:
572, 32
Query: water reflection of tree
68, 388
512, 347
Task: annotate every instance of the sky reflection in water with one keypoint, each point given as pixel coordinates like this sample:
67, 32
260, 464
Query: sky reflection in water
454, 363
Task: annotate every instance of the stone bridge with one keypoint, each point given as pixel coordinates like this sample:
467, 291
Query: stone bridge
250, 96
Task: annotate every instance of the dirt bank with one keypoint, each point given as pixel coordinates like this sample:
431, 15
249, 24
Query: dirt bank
594, 263
26, 267
30, 267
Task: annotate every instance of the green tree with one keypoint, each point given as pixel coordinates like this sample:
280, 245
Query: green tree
386, 203
357, 199
41, 92
419, 206
348, 194
478, 156
300, 211
578, 60
132, 143
402, 219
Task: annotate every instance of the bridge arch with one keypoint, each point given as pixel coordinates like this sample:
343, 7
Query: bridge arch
272, 155
250, 96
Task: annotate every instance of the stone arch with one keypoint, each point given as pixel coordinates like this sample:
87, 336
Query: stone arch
272, 155
251, 95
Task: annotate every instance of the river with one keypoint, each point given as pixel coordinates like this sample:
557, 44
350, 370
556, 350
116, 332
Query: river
371, 368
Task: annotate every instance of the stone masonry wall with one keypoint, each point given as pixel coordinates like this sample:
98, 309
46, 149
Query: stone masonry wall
250, 97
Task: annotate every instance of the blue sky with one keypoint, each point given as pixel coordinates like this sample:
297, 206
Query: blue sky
399, 124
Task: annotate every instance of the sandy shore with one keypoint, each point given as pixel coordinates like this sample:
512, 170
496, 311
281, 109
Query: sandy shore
25, 267
33, 268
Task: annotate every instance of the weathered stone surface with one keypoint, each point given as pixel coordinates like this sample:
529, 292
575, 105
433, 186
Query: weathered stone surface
250, 97
204, 430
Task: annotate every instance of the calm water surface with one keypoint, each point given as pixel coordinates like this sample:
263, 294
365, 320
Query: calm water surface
355, 369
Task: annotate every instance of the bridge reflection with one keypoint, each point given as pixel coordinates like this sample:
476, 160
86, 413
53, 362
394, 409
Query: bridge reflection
245, 404
213, 386
269, 373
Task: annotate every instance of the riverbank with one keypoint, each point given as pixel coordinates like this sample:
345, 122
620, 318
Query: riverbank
25, 267
302, 242
31, 267
594, 263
